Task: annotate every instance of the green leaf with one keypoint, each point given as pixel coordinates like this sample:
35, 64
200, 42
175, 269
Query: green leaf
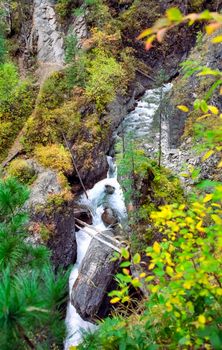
125, 253
204, 106
174, 14
136, 258
125, 264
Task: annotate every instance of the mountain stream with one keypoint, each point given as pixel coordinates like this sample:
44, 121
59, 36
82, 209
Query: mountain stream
142, 124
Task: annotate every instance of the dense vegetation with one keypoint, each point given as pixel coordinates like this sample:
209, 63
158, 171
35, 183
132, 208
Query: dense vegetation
179, 274
175, 241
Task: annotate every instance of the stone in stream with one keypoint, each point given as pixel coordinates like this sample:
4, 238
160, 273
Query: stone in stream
109, 189
95, 280
109, 216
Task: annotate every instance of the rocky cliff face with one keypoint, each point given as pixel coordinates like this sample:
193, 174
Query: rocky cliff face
46, 34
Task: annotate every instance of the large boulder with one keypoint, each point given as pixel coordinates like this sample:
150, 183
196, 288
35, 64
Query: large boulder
95, 280
109, 217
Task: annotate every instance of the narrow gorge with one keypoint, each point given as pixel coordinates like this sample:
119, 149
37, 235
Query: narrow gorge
110, 189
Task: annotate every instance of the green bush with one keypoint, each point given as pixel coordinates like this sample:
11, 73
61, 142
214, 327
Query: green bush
105, 77
22, 170
16, 103
55, 157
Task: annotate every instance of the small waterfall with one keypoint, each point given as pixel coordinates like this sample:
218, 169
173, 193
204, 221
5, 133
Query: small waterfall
97, 199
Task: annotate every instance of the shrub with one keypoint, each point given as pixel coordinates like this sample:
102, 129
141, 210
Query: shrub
54, 156
105, 76
22, 170
16, 104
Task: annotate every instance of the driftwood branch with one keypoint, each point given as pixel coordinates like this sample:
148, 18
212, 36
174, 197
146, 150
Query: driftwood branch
144, 74
98, 238
75, 165
98, 231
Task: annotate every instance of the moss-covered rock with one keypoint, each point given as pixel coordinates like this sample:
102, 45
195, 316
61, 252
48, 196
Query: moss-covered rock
22, 169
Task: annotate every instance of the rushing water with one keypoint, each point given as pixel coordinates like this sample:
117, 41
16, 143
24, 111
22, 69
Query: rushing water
97, 198
143, 125
143, 122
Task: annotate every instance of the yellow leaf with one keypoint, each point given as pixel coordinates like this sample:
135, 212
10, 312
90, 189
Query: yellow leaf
154, 289
126, 271
149, 41
210, 29
204, 116
207, 155
213, 109
220, 92
187, 285
145, 33
156, 247
169, 270
219, 164
207, 198
142, 275
219, 291
202, 319
125, 299
72, 347
217, 39
199, 226
169, 306
151, 266
183, 108
216, 219
114, 300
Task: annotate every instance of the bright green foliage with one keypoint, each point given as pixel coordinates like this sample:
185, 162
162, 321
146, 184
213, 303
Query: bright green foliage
63, 7
9, 80
16, 103
76, 58
30, 291
52, 116
105, 75
3, 49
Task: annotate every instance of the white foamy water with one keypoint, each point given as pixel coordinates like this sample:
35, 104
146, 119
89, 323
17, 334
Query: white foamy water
141, 121
97, 199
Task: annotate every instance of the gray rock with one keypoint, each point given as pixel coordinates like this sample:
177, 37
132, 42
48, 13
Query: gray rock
89, 293
109, 189
46, 183
46, 30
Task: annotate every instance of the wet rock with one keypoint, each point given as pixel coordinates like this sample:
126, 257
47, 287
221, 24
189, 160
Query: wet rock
109, 217
95, 280
109, 189
62, 242
82, 213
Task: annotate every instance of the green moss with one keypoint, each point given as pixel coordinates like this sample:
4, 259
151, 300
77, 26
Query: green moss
21, 169
44, 232
54, 156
